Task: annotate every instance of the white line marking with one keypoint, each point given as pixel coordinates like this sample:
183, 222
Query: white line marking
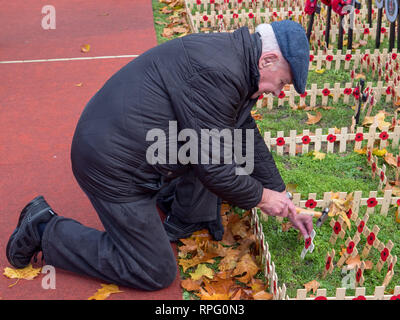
71, 59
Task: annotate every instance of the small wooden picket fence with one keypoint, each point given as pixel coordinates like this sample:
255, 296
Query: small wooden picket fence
279, 291
386, 91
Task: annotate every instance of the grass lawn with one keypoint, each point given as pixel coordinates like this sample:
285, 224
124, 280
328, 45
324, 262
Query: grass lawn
345, 172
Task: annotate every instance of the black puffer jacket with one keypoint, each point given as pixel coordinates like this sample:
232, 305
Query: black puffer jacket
202, 81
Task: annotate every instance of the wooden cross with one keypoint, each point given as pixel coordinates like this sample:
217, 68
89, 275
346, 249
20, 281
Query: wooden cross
338, 229
351, 249
308, 244
360, 274
372, 241
385, 254
329, 263
361, 224
389, 275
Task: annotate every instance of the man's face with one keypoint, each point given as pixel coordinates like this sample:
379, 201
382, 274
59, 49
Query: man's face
274, 74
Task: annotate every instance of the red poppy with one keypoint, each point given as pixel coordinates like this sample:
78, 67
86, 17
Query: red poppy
331, 138
348, 57
205, 18
357, 11
395, 297
383, 30
251, 15
348, 91
337, 228
328, 263
356, 93
359, 298
326, 92
369, 156
306, 139
307, 242
384, 135
275, 14
281, 95
398, 161
388, 90
329, 57
373, 167
382, 176
359, 137
280, 141
360, 227
260, 97
311, 57
366, 31
239, 1
350, 247
365, 56
220, 16
358, 275
394, 56
290, 12
311, 203
303, 95
371, 202
235, 16
198, 2
320, 298
212, 1
349, 213
371, 238
390, 267
384, 254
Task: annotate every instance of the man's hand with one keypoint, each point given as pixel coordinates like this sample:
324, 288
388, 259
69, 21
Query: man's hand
275, 203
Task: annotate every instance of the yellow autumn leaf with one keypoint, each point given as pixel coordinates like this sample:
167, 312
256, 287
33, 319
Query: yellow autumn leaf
361, 151
320, 71
379, 152
319, 155
105, 292
85, 48
345, 218
202, 270
27, 273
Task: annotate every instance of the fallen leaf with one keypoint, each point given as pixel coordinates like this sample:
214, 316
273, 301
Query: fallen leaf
262, 295
85, 48
190, 284
390, 159
105, 292
353, 262
167, 33
27, 273
286, 226
320, 71
312, 285
246, 268
202, 270
379, 152
318, 155
360, 76
204, 295
368, 265
314, 119
230, 260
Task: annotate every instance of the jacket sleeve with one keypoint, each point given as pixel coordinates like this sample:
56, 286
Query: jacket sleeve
265, 169
210, 100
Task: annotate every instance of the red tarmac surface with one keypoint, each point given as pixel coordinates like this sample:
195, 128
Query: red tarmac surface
40, 105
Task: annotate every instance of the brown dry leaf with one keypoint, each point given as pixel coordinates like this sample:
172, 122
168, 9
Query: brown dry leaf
230, 260
246, 267
390, 159
256, 285
204, 295
359, 76
314, 119
190, 284
166, 10
286, 226
180, 30
361, 151
160, 22
218, 285
85, 48
327, 107
255, 115
262, 295
167, 33
353, 262
368, 265
312, 285
105, 292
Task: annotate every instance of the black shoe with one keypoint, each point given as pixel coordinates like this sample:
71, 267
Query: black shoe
25, 241
177, 229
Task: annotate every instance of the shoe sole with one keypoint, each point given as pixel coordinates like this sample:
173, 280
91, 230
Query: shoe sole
15, 232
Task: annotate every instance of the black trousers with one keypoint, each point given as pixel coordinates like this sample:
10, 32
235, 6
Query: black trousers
134, 250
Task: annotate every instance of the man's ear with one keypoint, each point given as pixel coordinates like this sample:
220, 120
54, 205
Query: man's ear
268, 59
